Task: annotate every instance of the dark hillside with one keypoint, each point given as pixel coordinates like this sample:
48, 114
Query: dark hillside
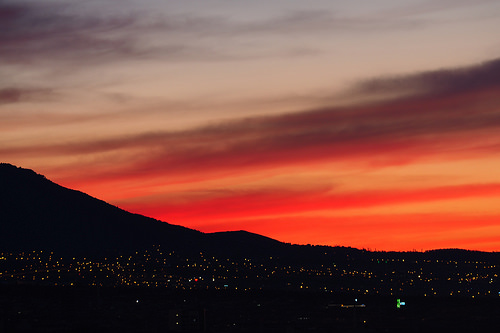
37, 214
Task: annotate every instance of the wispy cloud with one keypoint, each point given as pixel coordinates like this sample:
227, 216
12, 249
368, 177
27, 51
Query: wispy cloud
35, 32
17, 95
276, 202
31, 32
433, 6
297, 23
444, 81
459, 109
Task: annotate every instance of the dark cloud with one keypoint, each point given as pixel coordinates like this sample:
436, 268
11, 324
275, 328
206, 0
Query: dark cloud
36, 31
444, 81
16, 95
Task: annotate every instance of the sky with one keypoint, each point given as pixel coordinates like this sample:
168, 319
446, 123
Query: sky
370, 124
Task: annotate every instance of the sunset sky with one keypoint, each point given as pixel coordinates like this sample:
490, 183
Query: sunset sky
371, 124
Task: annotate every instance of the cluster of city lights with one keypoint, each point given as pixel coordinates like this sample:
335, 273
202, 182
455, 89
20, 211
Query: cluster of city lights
153, 268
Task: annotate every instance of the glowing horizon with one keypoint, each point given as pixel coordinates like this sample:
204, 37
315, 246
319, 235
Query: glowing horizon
365, 125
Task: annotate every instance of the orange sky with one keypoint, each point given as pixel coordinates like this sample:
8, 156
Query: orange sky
366, 125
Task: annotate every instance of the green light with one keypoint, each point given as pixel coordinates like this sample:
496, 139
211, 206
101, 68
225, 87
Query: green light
398, 303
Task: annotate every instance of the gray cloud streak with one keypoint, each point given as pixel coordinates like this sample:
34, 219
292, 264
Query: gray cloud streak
444, 81
415, 126
37, 32
17, 95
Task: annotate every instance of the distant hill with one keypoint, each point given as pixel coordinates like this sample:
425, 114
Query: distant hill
37, 214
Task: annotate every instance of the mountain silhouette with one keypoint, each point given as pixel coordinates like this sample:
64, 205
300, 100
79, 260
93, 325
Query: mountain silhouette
37, 214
